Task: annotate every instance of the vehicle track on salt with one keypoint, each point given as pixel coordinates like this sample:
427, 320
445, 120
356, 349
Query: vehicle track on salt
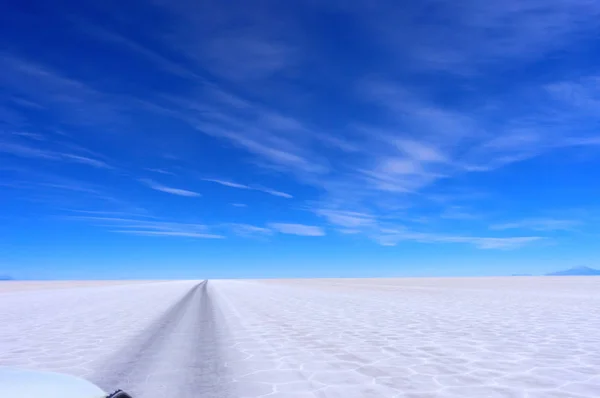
178, 355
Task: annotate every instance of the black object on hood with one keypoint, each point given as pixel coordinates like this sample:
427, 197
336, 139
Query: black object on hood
119, 394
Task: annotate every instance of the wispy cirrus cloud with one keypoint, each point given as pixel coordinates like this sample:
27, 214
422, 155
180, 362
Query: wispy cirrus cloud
539, 224
346, 219
459, 213
265, 57
278, 151
173, 191
56, 189
453, 142
170, 233
111, 36
297, 229
229, 184
86, 160
21, 150
475, 37
236, 185
273, 192
421, 101
73, 101
141, 213
389, 231
29, 135
160, 171
250, 231
40, 150
136, 225
393, 236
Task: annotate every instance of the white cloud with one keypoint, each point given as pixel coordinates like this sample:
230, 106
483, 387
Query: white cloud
21, 150
243, 57
423, 134
279, 153
88, 27
273, 192
396, 177
349, 231
458, 213
247, 230
476, 36
71, 100
170, 233
160, 171
86, 160
539, 224
391, 237
111, 213
584, 141
445, 143
141, 225
298, 229
232, 184
227, 183
239, 205
501, 243
419, 151
29, 151
279, 140
32, 136
166, 189
347, 219
400, 166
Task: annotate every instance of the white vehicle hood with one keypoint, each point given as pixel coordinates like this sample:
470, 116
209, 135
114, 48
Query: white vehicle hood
21, 383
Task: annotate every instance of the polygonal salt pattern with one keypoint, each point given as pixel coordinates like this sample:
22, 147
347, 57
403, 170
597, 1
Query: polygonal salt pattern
351, 338
447, 338
70, 330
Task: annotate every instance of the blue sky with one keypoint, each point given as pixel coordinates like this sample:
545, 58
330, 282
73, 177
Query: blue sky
177, 139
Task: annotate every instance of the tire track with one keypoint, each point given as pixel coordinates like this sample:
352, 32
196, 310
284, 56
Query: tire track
134, 357
180, 355
209, 377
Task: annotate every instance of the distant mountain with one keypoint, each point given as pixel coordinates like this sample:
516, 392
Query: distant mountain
6, 278
575, 271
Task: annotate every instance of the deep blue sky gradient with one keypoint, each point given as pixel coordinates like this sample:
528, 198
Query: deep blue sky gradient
178, 139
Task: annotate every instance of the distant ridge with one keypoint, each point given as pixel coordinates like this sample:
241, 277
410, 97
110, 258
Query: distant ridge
6, 278
576, 271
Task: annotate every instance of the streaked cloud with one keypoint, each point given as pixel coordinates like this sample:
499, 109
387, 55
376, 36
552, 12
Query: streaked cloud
297, 229
236, 185
21, 150
171, 190
263, 57
273, 192
391, 237
227, 183
160, 171
539, 224
109, 213
86, 160
247, 230
430, 96
476, 37
347, 219
30, 151
170, 233
459, 213
136, 225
